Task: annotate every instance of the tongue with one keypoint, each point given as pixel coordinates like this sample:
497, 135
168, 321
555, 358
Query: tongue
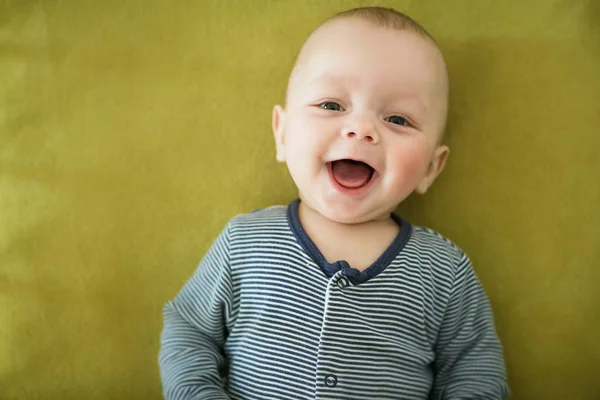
351, 174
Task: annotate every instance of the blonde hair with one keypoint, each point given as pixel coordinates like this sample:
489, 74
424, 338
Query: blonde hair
381, 17
390, 18
385, 18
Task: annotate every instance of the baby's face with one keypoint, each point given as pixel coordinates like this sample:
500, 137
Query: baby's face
361, 129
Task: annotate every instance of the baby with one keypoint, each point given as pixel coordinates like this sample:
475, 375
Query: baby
334, 296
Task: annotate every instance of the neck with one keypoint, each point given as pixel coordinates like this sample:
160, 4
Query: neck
312, 220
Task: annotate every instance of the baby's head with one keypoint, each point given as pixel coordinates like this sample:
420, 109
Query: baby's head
364, 116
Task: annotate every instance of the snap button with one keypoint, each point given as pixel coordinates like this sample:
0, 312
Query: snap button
343, 282
330, 380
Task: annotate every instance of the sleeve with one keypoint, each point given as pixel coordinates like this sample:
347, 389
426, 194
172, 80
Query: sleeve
469, 360
191, 357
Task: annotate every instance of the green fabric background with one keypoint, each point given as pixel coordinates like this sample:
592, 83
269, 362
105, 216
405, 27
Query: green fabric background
131, 131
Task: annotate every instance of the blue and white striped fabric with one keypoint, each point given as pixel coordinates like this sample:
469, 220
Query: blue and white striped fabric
266, 317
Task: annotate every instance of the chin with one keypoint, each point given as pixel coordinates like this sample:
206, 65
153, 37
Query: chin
344, 215
345, 219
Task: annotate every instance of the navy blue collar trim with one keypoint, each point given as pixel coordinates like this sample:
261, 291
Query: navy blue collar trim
353, 274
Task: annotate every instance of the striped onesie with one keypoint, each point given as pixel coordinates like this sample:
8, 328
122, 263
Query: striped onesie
265, 316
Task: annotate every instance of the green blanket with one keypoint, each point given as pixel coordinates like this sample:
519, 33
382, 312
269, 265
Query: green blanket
130, 132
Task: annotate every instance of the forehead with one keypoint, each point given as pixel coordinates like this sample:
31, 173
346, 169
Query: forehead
359, 53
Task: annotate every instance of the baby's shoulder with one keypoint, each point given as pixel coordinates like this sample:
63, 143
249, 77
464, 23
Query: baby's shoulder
428, 242
264, 219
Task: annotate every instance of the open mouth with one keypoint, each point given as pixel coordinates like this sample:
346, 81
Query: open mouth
351, 174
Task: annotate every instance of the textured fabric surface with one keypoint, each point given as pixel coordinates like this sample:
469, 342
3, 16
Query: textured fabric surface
296, 327
130, 132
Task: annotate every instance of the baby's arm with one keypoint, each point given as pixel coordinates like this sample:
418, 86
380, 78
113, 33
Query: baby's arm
191, 356
469, 362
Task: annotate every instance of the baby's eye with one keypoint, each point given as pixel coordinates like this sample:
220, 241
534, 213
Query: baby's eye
397, 120
331, 105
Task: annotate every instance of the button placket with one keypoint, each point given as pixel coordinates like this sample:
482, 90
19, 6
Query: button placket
330, 380
343, 282
327, 382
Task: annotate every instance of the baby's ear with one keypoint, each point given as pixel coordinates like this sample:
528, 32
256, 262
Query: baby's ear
279, 132
436, 166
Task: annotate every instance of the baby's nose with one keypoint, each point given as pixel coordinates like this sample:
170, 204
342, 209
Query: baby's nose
367, 137
361, 129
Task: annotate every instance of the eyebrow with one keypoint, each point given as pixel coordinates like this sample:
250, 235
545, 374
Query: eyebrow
417, 100
328, 77
334, 80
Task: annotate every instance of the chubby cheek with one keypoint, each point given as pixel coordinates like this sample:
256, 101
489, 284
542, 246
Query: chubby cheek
305, 147
409, 164
306, 138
